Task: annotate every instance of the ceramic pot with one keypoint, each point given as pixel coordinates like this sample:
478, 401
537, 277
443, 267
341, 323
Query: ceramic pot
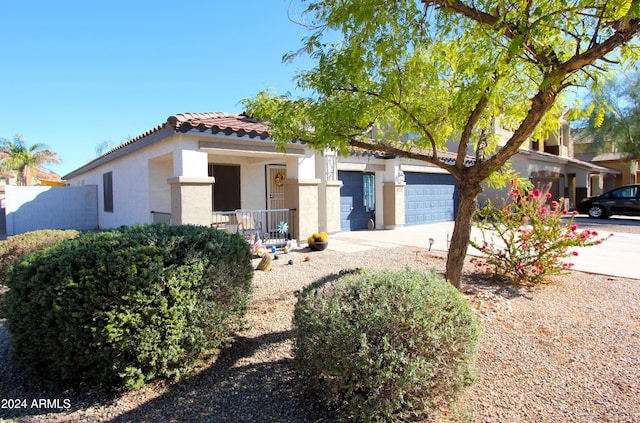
318, 246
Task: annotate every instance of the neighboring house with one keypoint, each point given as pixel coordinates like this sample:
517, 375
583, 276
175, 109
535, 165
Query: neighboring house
551, 167
629, 172
209, 168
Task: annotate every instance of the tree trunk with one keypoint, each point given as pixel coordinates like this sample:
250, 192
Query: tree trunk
26, 175
467, 200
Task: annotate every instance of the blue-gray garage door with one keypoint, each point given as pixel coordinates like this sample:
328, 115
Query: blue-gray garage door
357, 200
429, 198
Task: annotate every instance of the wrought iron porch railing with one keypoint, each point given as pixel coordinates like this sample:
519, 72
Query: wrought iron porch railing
272, 227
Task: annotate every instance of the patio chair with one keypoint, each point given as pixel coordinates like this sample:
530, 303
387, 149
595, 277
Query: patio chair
247, 224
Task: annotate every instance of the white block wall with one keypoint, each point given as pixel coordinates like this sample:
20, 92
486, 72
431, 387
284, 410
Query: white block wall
33, 208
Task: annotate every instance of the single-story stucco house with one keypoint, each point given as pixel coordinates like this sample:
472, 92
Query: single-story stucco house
223, 170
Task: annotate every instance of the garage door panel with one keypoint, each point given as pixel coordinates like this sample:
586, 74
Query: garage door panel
429, 198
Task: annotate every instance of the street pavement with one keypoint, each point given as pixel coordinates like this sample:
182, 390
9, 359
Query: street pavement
617, 256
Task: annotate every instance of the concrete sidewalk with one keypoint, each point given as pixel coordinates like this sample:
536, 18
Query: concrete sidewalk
618, 256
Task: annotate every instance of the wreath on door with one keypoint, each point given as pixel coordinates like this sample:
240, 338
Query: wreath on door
280, 178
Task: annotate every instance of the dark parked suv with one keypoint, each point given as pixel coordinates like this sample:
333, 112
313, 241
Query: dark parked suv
624, 200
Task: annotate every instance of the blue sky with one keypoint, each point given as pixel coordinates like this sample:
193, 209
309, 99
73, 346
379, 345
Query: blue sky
75, 74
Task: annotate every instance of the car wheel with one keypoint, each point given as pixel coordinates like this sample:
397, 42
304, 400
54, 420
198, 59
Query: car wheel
597, 212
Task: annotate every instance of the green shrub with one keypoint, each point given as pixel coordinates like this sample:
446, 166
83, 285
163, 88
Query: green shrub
17, 246
125, 306
384, 346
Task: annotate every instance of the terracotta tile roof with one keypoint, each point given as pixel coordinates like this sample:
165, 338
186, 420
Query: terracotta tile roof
220, 122
241, 125
444, 156
216, 121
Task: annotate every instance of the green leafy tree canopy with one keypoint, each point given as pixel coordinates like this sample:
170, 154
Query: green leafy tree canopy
442, 71
613, 111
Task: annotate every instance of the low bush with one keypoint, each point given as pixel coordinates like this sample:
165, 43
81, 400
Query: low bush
125, 306
384, 346
17, 246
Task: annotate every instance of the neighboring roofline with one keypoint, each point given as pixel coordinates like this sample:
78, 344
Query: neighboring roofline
568, 160
617, 156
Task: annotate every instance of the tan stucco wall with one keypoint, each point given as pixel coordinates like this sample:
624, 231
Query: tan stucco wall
393, 205
191, 200
302, 195
330, 211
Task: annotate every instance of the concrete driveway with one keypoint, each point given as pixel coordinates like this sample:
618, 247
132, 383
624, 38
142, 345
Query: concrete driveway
618, 256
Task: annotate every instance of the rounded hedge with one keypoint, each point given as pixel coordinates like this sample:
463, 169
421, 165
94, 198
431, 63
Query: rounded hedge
127, 305
384, 346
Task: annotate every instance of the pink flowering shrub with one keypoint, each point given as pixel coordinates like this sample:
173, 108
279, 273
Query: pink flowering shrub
526, 240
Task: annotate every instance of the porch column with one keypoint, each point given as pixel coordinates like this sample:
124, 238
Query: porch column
582, 182
329, 191
191, 193
597, 184
330, 222
393, 204
191, 200
302, 195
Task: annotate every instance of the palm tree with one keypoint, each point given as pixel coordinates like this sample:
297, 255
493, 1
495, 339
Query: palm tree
17, 156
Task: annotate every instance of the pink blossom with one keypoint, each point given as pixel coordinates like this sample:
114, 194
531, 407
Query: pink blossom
575, 212
565, 212
594, 233
574, 253
574, 228
548, 195
555, 204
515, 192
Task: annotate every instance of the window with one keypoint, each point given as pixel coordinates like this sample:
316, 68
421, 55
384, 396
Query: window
226, 188
626, 192
107, 187
369, 191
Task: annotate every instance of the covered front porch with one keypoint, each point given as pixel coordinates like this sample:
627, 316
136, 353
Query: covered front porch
245, 185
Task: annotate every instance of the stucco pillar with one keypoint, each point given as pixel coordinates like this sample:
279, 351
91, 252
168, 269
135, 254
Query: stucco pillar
191, 200
393, 204
302, 195
582, 182
330, 216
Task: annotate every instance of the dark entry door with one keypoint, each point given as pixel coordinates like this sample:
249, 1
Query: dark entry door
357, 200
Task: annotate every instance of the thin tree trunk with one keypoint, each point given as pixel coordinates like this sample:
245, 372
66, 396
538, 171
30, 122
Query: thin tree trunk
467, 201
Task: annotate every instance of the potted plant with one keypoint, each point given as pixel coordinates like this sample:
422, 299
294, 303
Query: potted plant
318, 241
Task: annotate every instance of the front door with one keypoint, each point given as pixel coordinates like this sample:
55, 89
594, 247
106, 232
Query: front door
276, 175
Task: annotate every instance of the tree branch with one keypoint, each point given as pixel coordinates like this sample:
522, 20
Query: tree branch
422, 125
354, 142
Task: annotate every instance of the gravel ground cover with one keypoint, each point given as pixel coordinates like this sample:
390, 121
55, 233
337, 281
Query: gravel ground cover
564, 352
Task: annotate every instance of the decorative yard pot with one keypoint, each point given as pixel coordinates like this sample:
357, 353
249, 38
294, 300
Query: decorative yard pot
318, 246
